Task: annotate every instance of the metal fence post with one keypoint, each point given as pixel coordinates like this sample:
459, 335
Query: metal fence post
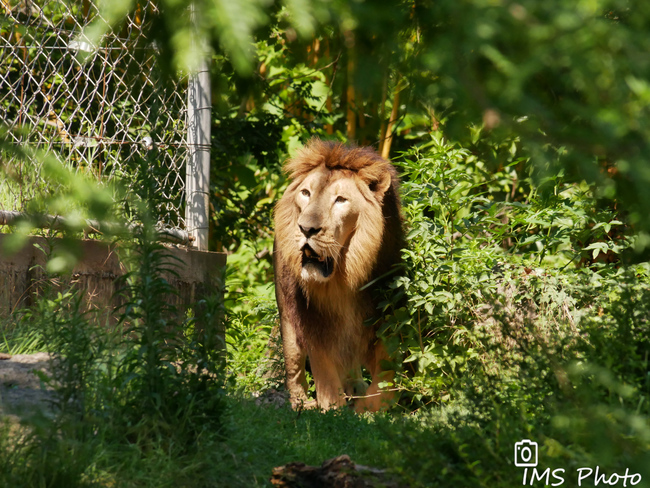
199, 108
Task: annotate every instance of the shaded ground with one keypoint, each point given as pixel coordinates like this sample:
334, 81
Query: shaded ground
21, 390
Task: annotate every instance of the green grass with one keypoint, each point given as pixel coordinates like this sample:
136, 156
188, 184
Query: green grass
443, 446
255, 440
20, 340
259, 438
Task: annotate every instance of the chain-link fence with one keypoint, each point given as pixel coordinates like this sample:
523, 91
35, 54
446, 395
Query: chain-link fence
98, 115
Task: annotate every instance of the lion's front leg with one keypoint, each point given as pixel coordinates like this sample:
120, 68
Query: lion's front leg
327, 380
376, 398
294, 364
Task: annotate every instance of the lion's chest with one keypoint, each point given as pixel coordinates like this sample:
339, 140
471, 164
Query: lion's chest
337, 325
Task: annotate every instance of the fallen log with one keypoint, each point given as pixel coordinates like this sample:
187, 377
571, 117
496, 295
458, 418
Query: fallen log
338, 472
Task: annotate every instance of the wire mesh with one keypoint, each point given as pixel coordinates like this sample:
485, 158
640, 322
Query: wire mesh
96, 115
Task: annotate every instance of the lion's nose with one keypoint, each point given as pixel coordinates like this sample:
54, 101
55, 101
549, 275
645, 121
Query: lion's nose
309, 231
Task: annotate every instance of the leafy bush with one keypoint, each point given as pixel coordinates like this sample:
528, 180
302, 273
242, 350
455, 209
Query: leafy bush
147, 381
524, 320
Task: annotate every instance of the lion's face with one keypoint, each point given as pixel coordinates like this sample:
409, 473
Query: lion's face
328, 205
329, 225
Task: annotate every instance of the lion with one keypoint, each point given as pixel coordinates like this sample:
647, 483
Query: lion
338, 227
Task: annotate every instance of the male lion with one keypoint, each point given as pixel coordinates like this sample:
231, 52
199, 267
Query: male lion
337, 227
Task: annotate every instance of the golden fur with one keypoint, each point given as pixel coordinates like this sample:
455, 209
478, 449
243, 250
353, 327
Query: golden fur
338, 226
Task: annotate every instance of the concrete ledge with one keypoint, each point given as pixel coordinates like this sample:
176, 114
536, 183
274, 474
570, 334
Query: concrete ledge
22, 274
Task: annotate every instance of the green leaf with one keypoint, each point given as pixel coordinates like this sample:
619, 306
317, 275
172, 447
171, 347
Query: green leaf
301, 16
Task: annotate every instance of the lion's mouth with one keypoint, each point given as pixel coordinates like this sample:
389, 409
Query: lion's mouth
324, 264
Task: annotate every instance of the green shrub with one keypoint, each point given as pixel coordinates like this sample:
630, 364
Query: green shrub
515, 326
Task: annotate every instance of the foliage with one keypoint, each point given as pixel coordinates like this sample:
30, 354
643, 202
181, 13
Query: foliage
169, 384
474, 256
224, 26
254, 347
569, 80
515, 324
72, 195
561, 75
143, 385
245, 177
19, 338
149, 378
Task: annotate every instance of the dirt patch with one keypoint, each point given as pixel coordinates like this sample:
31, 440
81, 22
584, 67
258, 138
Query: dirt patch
22, 393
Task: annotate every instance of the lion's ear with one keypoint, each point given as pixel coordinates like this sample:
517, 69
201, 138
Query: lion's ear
381, 185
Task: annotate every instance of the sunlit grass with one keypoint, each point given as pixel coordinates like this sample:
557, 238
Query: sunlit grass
20, 340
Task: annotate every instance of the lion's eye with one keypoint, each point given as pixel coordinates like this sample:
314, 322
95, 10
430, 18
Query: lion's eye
305, 193
340, 200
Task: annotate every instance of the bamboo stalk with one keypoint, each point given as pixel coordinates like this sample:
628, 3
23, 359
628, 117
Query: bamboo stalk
351, 99
382, 114
388, 140
351, 115
329, 128
361, 120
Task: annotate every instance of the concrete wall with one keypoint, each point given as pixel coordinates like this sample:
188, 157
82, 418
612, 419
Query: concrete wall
22, 274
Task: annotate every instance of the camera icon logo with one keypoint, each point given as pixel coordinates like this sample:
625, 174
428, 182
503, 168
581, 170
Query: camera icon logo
526, 453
